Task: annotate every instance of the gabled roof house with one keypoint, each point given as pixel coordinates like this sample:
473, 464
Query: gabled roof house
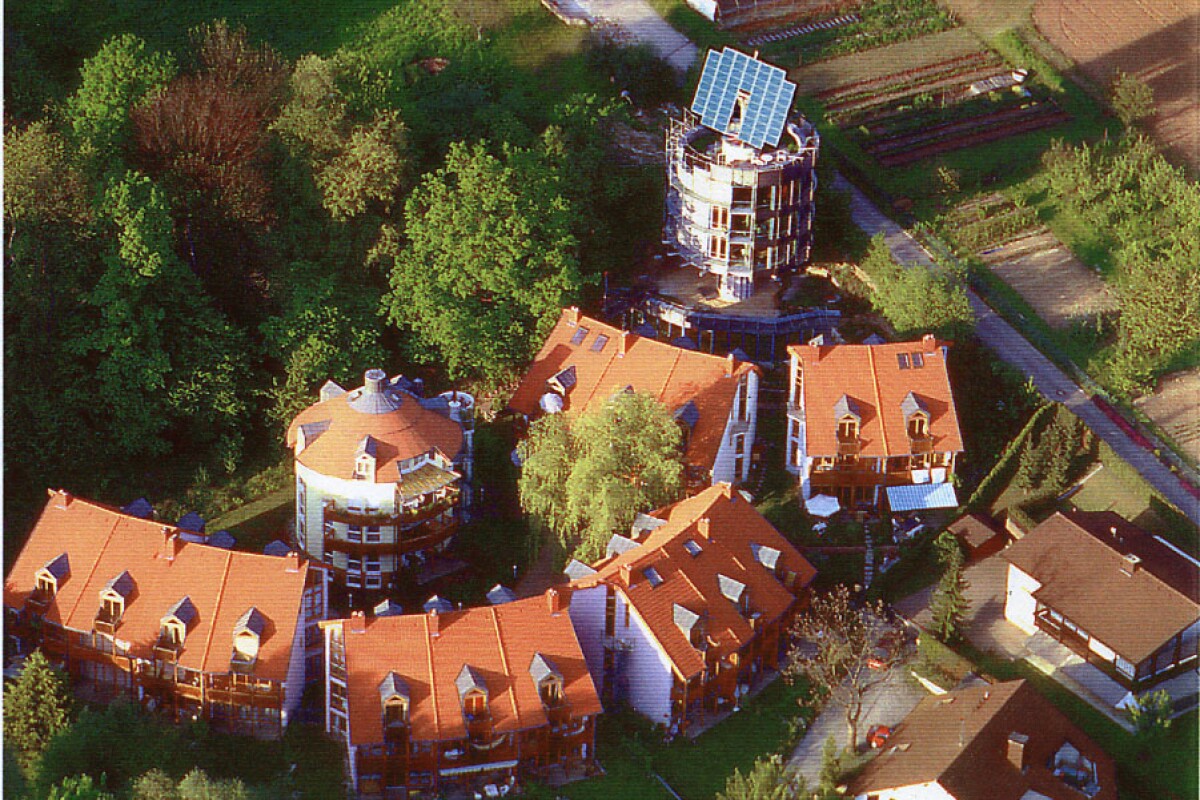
584, 362
691, 609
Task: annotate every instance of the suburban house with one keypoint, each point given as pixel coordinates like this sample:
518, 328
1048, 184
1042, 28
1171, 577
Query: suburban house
1124, 600
691, 609
993, 742
381, 479
871, 424
434, 703
714, 399
131, 609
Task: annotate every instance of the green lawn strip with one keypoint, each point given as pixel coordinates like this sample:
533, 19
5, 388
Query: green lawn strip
1166, 770
256, 524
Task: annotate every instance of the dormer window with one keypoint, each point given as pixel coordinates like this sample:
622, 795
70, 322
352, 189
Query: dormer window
918, 427
364, 459
548, 679
472, 692
849, 419
691, 625
173, 626
847, 429
47, 580
113, 598
916, 416
247, 637
394, 698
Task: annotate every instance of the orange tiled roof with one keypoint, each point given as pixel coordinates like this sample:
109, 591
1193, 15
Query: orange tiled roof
960, 740
101, 543
735, 532
499, 642
871, 376
672, 375
405, 432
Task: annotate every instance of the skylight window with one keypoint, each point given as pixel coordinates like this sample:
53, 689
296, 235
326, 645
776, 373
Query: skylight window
902, 360
599, 342
652, 575
580, 334
918, 360
692, 547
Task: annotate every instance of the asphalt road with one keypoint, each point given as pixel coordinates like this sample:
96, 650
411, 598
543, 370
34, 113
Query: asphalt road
1012, 347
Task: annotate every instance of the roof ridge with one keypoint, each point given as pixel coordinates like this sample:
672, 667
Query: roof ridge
95, 566
670, 373
887, 451
512, 690
212, 627
437, 722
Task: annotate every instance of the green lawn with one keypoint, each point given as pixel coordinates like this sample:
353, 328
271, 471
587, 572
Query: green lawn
692, 24
629, 750
258, 523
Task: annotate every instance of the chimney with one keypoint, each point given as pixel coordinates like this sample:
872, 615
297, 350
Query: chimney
293, 561
431, 619
171, 544
729, 362
815, 348
704, 526
626, 576
1129, 565
64, 499
1016, 749
554, 602
930, 342
573, 316
623, 344
373, 381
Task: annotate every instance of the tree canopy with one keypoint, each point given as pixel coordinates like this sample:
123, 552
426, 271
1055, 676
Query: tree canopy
949, 604
916, 299
587, 477
489, 262
845, 650
769, 779
37, 705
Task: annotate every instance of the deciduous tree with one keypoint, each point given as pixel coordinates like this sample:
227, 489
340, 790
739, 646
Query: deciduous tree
587, 477
845, 650
490, 261
1131, 98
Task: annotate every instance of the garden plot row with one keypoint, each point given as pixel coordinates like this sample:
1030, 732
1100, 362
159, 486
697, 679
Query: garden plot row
844, 94
801, 30
967, 133
984, 225
922, 111
910, 99
875, 24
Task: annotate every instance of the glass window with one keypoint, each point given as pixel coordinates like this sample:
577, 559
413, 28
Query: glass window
374, 534
354, 533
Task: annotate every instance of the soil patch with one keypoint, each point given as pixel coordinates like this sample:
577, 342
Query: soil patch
1157, 40
1175, 408
884, 61
1057, 285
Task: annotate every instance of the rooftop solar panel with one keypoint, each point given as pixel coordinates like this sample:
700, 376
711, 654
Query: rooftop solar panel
766, 97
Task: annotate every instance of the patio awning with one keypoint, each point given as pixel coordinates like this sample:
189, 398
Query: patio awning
921, 497
822, 505
445, 773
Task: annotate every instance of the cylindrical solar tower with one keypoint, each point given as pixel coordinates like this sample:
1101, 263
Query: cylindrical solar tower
739, 192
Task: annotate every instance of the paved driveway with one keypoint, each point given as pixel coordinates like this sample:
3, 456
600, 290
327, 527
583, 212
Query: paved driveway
1012, 347
645, 26
886, 704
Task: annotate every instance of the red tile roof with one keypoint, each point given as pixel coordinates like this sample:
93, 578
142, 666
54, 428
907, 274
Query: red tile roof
405, 432
671, 374
736, 531
1079, 560
870, 375
960, 740
499, 642
101, 543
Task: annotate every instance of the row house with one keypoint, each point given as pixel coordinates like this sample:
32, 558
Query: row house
869, 423
131, 609
1124, 600
692, 609
382, 477
714, 400
442, 702
987, 742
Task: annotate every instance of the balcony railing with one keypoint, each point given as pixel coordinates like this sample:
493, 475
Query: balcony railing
920, 445
335, 512
849, 447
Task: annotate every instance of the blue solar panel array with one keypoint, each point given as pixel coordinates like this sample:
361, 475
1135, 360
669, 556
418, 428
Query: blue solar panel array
769, 97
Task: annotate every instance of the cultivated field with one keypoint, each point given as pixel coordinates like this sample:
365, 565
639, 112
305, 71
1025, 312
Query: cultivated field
1047, 276
1175, 408
1157, 40
883, 61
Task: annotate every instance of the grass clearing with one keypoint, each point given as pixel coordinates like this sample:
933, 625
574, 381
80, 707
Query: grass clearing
259, 523
703, 32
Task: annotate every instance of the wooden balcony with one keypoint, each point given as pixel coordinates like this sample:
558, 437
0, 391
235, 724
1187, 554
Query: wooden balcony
333, 512
849, 447
261, 694
416, 538
920, 445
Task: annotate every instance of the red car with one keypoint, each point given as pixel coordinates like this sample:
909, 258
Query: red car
878, 735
